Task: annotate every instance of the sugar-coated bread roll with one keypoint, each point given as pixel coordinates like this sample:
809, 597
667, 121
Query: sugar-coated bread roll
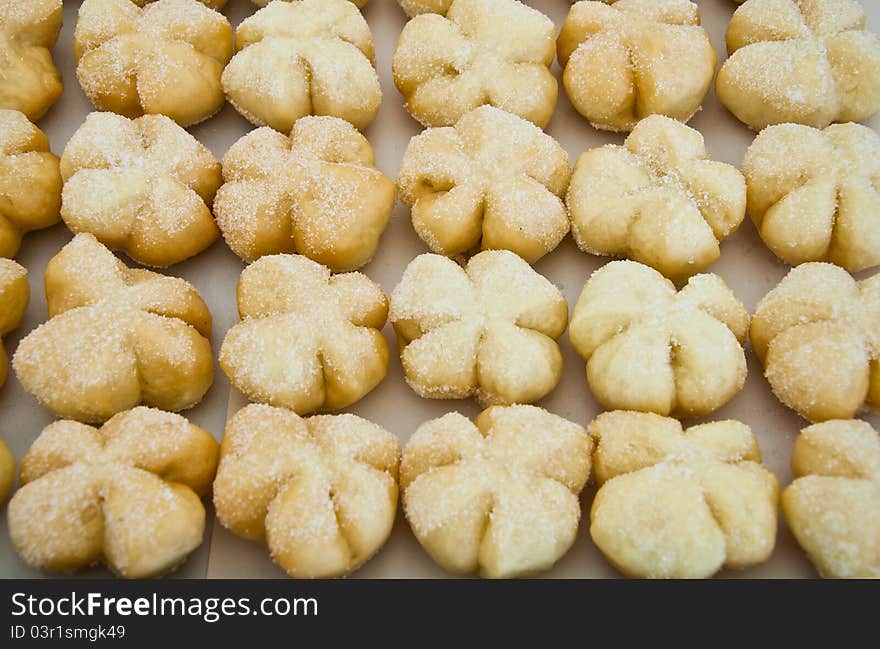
166, 57
816, 334
658, 199
635, 58
143, 186
127, 494
833, 505
307, 340
303, 57
805, 61
317, 192
30, 181
499, 495
321, 492
495, 52
488, 330
493, 181
7, 471
676, 503
116, 337
29, 80
14, 296
652, 349
813, 194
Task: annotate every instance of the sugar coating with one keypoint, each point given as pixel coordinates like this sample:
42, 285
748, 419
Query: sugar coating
143, 186
321, 492
493, 181
833, 505
126, 494
317, 192
487, 331
29, 80
30, 182
676, 503
651, 348
303, 57
816, 334
803, 61
116, 337
495, 52
14, 296
307, 340
658, 199
498, 496
634, 58
165, 58
813, 194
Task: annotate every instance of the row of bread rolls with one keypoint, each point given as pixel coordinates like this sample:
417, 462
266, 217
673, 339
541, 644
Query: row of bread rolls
498, 496
309, 340
811, 63
491, 181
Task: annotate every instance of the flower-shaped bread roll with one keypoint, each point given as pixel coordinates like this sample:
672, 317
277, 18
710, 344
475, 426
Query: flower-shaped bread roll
657, 199
676, 503
635, 58
30, 181
833, 505
307, 340
127, 494
488, 330
317, 193
7, 471
495, 52
166, 57
116, 337
321, 492
816, 334
143, 186
813, 195
14, 296
805, 61
653, 349
492, 181
29, 80
304, 57
498, 496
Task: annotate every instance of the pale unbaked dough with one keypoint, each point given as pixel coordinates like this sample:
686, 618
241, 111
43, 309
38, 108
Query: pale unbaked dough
653, 349
166, 57
813, 195
317, 193
657, 199
14, 296
816, 334
30, 181
307, 340
498, 496
321, 492
495, 52
127, 494
833, 505
7, 471
116, 337
305, 57
680, 504
635, 58
143, 186
805, 61
29, 80
493, 181
488, 330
